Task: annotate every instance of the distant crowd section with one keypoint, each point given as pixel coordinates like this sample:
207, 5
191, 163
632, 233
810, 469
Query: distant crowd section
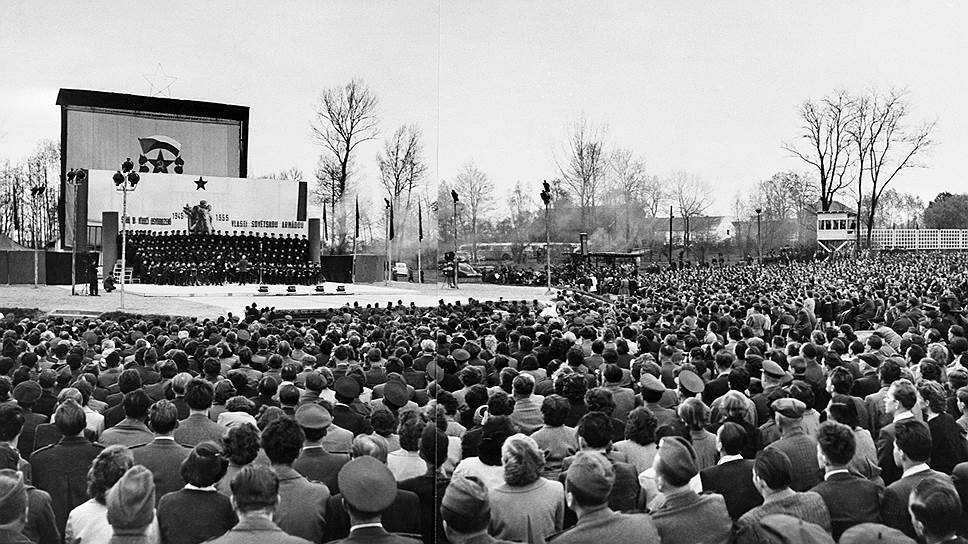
178, 258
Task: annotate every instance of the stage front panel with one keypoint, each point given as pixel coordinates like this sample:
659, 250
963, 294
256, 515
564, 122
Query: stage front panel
237, 205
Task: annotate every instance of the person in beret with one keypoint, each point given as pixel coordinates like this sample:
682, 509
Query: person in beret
131, 506
255, 497
465, 512
675, 466
314, 462
27, 394
772, 475
875, 533
786, 529
13, 507
367, 487
197, 512
40, 527
798, 446
588, 484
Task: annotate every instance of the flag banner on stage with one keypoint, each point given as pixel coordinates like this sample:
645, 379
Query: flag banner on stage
200, 204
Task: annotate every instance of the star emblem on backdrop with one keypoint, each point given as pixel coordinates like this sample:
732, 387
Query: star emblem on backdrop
200, 184
161, 164
159, 83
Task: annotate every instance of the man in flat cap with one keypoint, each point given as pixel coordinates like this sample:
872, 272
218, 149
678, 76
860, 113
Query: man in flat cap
675, 465
466, 512
588, 484
314, 462
367, 487
27, 394
13, 507
796, 444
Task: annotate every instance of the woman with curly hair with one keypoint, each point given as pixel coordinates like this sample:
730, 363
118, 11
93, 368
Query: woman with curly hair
554, 437
88, 522
224, 390
405, 463
525, 500
197, 512
639, 445
694, 413
242, 445
573, 387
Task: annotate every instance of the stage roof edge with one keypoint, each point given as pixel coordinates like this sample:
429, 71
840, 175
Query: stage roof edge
152, 104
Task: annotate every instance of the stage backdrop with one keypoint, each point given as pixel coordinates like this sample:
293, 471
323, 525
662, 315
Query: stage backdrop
238, 205
163, 135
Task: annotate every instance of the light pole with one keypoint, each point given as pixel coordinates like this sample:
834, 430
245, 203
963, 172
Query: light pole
759, 239
125, 180
456, 197
75, 178
546, 198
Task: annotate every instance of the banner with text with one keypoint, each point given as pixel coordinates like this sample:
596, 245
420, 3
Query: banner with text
173, 202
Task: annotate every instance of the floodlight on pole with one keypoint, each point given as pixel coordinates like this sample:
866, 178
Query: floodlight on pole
546, 198
125, 180
759, 239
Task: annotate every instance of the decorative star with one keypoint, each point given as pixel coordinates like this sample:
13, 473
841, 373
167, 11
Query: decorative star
161, 164
200, 184
159, 83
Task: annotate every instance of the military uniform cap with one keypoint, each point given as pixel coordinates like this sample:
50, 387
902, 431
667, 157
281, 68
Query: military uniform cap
367, 484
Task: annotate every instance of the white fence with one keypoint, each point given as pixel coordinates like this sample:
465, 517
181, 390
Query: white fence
919, 239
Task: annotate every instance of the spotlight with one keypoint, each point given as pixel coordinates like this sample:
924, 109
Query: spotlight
290, 288
340, 288
263, 288
320, 289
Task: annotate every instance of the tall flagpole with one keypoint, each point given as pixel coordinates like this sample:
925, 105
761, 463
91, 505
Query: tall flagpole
356, 234
419, 240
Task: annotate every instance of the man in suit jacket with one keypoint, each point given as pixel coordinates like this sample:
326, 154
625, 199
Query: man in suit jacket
732, 477
127, 382
959, 476
675, 465
850, 499
368, 488
772, 475
936, 511
314, 462
26, 394
255, 495
197, 427
347, 390
132, 431
948, 445
594, 434
800, 448
911, 450
302, 504
400, 516
719, 385
587, 487
61, 469
162, 456
465, 512
899, 401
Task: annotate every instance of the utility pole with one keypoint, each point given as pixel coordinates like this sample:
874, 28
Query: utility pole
670, 235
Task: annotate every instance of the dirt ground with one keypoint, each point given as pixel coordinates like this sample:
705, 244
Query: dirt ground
50, 298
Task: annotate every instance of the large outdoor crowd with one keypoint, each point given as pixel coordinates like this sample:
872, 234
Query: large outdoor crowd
712, 405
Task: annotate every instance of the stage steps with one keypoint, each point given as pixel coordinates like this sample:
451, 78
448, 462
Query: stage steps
128, 273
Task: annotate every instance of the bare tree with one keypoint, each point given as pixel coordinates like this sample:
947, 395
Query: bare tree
785, 198
402, 169
636, 188
826, 144
477, 192
583, 166
345, 117
882, 134
691, 196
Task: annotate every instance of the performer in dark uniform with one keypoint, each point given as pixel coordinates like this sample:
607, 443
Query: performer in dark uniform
92, 279
243, 271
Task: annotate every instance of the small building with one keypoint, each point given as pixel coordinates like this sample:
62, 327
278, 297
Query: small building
836, 229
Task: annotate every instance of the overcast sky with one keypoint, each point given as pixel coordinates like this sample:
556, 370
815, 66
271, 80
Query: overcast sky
710, 88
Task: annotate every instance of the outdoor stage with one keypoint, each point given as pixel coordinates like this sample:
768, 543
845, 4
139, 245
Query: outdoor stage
209, 300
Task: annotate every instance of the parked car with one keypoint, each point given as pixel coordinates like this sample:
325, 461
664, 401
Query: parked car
401, 271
